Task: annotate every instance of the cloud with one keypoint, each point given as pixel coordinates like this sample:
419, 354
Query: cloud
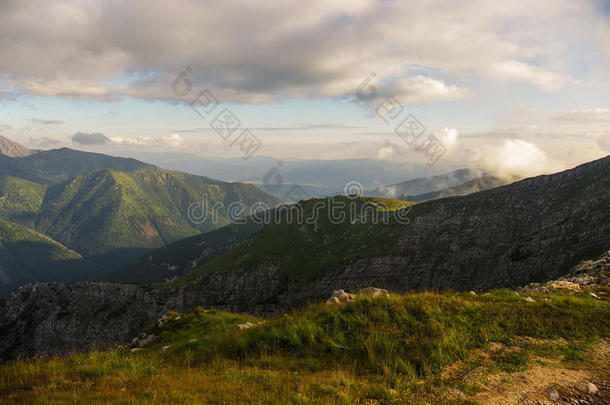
173, 140
260, 53
389, 151
448, 137
584, 116
419, 89
84, 138
514, 157
46, 122
513, 70
68, 89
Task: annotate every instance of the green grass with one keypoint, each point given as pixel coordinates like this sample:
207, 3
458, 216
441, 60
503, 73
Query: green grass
115, 216
20, 199
307, 250
392, 349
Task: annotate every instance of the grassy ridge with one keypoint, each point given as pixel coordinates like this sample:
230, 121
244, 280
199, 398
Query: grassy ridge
20, 199
388, 349
308, 249
103, 213
59, 165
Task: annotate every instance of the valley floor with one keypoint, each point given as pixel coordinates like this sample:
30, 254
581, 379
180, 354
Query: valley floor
498, 348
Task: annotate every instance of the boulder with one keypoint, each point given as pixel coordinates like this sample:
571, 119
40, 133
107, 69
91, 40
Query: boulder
374, 292
143, 339
163, 320
340, 296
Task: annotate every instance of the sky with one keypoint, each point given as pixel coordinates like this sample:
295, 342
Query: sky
518, 87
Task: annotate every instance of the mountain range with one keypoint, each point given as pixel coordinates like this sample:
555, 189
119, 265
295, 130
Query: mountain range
532, 230
319, 178
111, 210
99, 210
471, 186
421, 185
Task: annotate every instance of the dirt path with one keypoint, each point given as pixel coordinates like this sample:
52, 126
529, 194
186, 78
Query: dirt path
531, 386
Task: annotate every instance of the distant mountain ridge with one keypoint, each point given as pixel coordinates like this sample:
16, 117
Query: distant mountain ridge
59, 165
320, 176
469, 187
12, 149
104, 209
428, 184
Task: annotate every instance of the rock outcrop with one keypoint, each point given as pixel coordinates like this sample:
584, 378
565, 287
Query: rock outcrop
585, 275
340, 296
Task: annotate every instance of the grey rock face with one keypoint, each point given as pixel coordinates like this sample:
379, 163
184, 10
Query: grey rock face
60, 317
531, 231
587, 274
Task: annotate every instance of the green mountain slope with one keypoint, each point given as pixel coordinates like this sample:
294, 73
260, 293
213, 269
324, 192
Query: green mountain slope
20, 199
26, 256
110, 210
114, 216
59, 165
324, 238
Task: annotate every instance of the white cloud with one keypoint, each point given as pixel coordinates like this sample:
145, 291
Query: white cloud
66, 89
389, 151
260, 52
422, 89
584, 116
514, 70
173, 140
514, 157
448, 137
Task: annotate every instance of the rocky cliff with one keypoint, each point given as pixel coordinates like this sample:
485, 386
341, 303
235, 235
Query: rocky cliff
530, 231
